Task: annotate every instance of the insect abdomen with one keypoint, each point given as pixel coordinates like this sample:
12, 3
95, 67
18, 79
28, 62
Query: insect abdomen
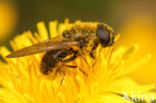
49, 61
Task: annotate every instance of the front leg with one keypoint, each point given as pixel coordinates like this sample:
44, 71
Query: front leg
92, 55
96, 43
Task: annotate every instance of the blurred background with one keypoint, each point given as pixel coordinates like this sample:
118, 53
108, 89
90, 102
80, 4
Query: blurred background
135, 20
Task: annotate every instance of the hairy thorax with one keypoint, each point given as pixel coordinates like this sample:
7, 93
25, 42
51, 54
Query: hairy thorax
85, 33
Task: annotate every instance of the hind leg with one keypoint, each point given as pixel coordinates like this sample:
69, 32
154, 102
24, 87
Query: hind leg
62, 69
71, 58
67, 60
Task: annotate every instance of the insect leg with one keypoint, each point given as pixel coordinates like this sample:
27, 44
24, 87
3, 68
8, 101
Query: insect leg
70, 66
62, 69
71, 58
62, 79
92, 55
84, 59
93, 48
83, 72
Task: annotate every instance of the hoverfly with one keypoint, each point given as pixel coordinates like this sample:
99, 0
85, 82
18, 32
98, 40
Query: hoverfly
76, 41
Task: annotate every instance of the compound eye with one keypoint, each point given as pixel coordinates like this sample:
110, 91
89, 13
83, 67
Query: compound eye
103, 35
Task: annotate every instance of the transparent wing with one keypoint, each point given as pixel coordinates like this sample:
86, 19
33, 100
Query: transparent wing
47, 45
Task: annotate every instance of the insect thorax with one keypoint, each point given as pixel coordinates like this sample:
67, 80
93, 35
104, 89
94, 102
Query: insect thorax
82, 31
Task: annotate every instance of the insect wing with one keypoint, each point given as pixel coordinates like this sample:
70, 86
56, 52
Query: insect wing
47, 45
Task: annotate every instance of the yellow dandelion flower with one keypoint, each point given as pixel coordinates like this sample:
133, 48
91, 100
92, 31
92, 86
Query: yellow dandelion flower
105, 82
141, 29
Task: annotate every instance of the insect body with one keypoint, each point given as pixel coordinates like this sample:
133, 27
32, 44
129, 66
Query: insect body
78, 40
51, 59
